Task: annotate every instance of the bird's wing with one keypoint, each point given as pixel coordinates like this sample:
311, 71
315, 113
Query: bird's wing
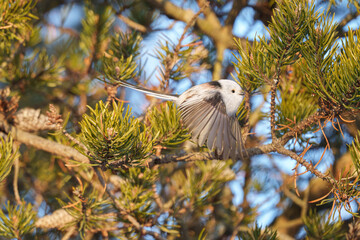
156, 94
208, 121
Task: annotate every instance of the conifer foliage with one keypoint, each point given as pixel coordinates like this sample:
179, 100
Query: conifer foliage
78, 160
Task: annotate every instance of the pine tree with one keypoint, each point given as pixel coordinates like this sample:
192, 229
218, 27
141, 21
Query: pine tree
77, 162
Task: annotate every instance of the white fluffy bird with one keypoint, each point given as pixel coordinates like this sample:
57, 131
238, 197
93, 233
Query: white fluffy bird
208, 110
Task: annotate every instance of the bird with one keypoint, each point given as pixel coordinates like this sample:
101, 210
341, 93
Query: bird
208, 110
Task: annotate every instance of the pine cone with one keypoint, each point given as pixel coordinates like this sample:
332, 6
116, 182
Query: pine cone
58, 219
31, 120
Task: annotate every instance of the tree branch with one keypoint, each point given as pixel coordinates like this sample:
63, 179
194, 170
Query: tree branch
348, 18
220, 49
71, 153
246, 128
301, 126
205, 156
210, 25
43, 144
238, 5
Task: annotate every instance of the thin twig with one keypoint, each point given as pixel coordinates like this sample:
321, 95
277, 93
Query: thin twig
157, 198
307, 165
320, 198
63, 30
321, 157
301, 126
345, 120
7, 26
322, 130
293, 197
272, 108
170, 63
340, 129
131, 23
69, 232
210, 25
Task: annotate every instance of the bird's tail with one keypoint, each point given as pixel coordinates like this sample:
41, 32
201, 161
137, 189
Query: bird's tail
156, 94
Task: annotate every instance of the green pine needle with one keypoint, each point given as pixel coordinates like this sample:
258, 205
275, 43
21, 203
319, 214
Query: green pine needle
7, 156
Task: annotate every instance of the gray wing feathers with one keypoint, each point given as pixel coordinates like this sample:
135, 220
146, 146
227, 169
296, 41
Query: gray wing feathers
236, 130
226, 140
210, 123
204, 129
201, 130
219, 136
213, 131
191, 119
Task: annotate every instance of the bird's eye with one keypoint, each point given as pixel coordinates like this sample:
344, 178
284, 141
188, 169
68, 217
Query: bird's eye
233, 91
